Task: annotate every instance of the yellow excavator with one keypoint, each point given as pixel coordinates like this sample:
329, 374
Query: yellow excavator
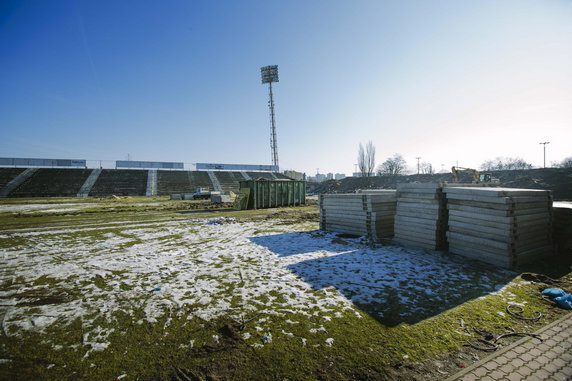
478, 178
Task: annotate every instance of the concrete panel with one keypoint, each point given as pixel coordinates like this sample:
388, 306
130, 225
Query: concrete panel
538, 218
500, 261
497, 212
496, 192
411, 205
418, 186
535, 203
417, 221
414, 244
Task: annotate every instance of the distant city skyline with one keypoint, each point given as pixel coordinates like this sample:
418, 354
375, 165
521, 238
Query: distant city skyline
453, 83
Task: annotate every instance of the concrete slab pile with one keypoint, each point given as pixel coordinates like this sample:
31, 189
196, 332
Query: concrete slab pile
563, 226
370, 215
421, 216
506, 227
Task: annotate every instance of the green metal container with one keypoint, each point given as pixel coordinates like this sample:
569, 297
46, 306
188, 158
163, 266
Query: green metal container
273, 193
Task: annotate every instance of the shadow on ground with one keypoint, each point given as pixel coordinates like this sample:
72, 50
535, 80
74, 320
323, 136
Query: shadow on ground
392, 284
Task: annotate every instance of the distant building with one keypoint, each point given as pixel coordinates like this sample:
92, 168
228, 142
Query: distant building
317, 179
357, 174
295, 175
339, 176
330, 176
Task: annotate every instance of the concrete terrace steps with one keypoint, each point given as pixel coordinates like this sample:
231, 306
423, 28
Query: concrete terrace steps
8, 174
86, 187
17, 181
120, 182
76, 182
171, 182
229, 181
214, 180
52, 182
151, 183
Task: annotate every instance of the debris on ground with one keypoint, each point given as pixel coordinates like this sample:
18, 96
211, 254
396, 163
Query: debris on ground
267, 338
560, 297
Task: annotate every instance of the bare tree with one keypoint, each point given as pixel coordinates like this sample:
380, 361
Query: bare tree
566, 163
361, 160
393, 166
370, 156
488, 165
505, 164
366, 159
427, 168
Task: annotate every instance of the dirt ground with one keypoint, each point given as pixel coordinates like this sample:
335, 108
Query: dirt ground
66, 255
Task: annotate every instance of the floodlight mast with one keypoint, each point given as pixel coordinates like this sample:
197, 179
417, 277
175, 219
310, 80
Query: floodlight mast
269, 75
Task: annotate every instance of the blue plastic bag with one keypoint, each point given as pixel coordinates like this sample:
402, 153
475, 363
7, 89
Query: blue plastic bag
564, 301
562, 298
554, 292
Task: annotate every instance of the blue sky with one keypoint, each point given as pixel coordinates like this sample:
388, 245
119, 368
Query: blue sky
448, 81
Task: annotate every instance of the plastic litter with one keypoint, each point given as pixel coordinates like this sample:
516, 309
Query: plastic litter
559, 296
553, 292
267, 338
564, 301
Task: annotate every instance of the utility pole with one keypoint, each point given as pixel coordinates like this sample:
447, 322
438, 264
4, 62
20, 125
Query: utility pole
418, 164
544, 144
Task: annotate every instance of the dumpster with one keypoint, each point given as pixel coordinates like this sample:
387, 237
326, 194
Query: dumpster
263, 193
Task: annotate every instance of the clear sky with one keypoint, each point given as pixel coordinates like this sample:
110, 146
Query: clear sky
449, 81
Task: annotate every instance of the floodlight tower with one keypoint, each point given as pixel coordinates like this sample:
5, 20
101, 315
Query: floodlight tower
269, 75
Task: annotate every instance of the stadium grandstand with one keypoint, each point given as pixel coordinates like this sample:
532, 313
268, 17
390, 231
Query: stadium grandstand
71, 178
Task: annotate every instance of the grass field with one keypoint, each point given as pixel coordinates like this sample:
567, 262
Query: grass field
147, 288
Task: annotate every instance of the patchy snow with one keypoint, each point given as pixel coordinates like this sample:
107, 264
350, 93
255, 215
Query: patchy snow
43, 208
225, 268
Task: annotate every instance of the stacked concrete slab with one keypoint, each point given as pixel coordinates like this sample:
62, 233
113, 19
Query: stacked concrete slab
367, 214
503, 226
563, 226
421, 216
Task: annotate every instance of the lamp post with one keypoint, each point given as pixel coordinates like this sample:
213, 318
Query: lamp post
544, 149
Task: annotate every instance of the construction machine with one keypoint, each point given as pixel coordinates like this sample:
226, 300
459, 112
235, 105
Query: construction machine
478, 178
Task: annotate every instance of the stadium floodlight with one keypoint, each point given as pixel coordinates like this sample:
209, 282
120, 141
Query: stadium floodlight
269, 75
